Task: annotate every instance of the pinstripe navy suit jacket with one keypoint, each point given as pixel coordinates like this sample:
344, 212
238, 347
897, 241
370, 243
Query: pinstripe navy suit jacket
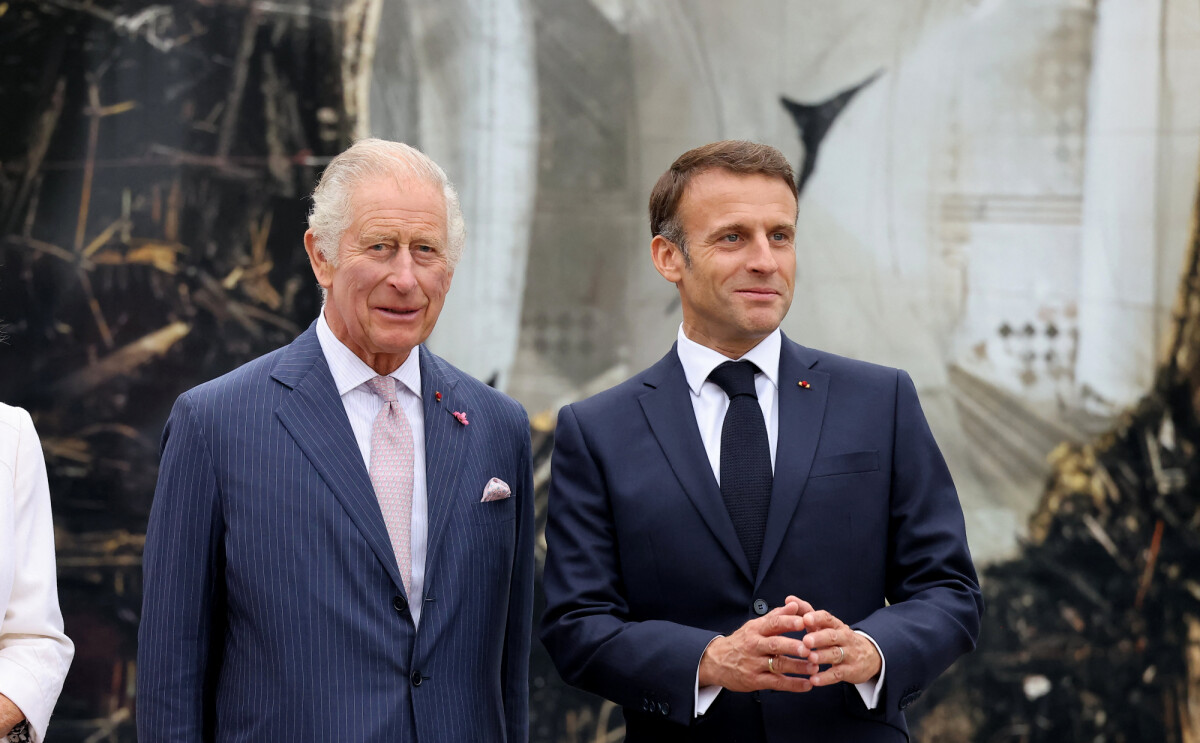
273, 608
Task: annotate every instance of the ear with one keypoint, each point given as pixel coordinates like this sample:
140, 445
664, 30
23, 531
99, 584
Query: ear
321, 266
668, 259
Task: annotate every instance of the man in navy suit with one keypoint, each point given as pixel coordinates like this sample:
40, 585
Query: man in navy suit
341, 541
751, 540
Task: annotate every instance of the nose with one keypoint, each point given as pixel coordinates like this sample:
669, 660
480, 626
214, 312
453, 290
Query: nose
400, 272
762, 256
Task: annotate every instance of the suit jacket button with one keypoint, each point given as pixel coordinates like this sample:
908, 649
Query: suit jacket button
664, 708
416, 678
399, 604
760, 607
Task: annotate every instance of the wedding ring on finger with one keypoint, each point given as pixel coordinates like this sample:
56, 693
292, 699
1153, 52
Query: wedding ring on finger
771, 664
841, 650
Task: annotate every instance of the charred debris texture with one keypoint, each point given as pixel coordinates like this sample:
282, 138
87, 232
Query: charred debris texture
152, 173
1093, 632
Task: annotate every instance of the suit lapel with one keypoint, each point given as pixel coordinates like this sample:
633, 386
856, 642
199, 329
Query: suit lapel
314, 415
668, 408
801, 411
445, 445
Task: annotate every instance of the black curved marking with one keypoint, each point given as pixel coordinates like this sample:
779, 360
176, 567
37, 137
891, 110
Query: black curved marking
814, 121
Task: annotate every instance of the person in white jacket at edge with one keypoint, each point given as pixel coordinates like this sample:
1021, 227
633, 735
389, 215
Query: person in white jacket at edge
34, 652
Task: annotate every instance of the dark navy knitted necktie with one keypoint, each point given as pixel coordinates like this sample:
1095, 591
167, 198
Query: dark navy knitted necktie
745, 457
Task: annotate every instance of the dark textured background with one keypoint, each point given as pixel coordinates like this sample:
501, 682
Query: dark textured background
154, 166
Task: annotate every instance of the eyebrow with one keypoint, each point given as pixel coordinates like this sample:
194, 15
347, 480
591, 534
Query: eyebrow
372, 238
725, 229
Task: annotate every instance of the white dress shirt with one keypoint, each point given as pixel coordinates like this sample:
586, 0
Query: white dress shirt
709, 402
350, 376
34, 652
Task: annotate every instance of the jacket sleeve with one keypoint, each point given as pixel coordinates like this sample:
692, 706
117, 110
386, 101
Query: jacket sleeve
587, 628
34, 652
519, 636
179, 638
935, 606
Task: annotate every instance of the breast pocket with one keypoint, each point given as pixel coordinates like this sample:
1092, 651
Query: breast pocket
492, 512
849, 463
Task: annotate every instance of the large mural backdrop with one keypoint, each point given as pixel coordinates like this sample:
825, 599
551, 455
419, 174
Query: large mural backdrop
996, 195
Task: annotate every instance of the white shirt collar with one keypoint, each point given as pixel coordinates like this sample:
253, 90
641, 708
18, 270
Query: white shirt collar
349, 371
699, 361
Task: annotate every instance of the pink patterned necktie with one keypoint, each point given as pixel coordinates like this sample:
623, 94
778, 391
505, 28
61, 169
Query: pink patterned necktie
392, 471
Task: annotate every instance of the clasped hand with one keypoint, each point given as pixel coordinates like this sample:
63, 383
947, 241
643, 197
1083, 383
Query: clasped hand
760, 656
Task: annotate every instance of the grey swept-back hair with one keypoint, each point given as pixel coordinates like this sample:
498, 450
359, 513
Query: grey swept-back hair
373, 158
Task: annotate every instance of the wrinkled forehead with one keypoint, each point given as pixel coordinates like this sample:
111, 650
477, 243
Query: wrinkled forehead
398, 198
714, 190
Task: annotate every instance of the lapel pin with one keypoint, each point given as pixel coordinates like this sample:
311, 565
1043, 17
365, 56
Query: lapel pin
437, 396
461, 418
804, 384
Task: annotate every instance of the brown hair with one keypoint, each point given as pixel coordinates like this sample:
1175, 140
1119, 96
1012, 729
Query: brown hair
736, 156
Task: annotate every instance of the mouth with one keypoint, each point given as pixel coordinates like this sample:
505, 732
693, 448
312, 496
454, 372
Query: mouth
398, 313
758, 293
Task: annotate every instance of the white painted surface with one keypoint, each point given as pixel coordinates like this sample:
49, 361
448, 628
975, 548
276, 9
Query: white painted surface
477, 116
1118, 335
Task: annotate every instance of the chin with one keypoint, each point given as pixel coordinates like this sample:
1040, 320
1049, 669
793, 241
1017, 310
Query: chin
395, 347
761, 327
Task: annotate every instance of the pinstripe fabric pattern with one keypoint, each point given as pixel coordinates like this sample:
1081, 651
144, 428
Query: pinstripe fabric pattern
270, 578
350, 375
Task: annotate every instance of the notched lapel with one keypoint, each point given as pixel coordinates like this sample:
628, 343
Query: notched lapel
801, 412
446, 442
669, 411
316, 418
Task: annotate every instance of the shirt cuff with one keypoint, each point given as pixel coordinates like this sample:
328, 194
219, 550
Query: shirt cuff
704, 697
869, 690
24, 690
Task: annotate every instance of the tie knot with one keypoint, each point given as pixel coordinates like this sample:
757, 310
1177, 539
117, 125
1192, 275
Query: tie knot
385, 387
736, 378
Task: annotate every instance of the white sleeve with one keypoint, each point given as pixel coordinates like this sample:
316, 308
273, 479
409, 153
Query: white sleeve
704, 696
869, 690
34, 652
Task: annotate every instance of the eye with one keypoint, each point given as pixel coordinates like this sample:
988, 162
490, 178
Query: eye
780, 236
424, 248
378, 248
731, 237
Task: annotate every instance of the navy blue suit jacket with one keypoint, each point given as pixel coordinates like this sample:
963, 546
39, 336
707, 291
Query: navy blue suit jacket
273, 608
644, 568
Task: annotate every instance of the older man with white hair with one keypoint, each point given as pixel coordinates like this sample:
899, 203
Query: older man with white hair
341, 541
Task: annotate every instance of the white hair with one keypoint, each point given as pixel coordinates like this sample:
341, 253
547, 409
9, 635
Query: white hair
331, 212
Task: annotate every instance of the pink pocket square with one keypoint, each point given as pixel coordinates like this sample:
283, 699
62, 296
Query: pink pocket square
496, 489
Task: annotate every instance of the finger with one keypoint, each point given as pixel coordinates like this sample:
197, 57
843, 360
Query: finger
780, 645
785, 683
788, 609
818, 620
804, 606
794, 666
831, 655
833, 675
824, 639
778, 623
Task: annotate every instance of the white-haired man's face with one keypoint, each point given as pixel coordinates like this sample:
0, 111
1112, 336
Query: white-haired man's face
385, 294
